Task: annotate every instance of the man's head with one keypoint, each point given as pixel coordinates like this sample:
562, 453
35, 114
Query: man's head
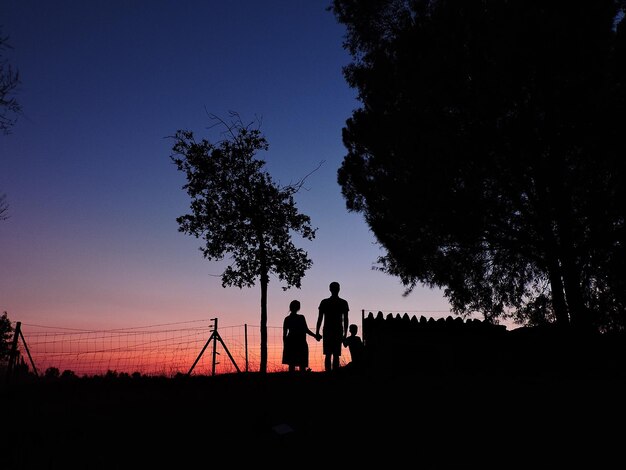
334, 288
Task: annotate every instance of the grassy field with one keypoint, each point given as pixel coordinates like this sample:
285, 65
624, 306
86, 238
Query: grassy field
342, 419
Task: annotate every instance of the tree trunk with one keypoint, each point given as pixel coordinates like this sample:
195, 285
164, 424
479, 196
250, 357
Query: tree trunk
558, 295
264, 282
551, 249
580, 318
579, 314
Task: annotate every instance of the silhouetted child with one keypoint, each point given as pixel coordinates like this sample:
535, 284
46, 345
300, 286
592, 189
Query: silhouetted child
355, 345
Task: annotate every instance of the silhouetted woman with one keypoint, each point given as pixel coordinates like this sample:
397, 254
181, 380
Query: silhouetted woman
295, 346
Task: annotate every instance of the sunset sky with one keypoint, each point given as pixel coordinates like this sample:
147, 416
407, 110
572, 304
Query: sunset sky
92, 239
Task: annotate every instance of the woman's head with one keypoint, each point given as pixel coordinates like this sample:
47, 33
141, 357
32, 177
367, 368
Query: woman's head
294, 306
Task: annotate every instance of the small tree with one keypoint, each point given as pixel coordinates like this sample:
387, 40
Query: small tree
6, 336
52, 373
237, 209
9, 106
4, 207
9, 80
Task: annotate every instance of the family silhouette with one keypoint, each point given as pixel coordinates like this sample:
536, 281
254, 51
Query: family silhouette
332, 320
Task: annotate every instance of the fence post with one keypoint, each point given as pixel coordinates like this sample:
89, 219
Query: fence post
245, 336
363, 332
13, 353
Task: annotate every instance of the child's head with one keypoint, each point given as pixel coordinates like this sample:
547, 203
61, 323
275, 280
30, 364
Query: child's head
294, 306
353, 329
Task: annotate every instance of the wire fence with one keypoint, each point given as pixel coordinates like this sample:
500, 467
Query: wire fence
189, 347
194, 347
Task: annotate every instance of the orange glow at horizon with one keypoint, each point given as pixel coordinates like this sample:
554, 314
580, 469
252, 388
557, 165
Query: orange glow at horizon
160, 350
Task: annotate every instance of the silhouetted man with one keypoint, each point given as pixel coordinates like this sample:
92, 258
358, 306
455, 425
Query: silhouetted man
333, 313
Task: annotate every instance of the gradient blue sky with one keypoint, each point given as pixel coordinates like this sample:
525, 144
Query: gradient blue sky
92, 240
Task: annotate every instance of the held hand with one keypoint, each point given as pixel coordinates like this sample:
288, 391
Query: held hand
318, 337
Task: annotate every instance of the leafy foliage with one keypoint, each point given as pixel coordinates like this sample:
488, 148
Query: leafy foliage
4, 207
9, 80
487, 156
6, 336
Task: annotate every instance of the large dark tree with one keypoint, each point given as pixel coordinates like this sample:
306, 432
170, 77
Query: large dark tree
239, 211
488, 154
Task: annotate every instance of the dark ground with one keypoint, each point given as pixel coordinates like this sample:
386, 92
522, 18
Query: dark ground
423, 421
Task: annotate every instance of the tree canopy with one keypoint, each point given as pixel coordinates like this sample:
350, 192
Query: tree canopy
487, 154
239, 211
